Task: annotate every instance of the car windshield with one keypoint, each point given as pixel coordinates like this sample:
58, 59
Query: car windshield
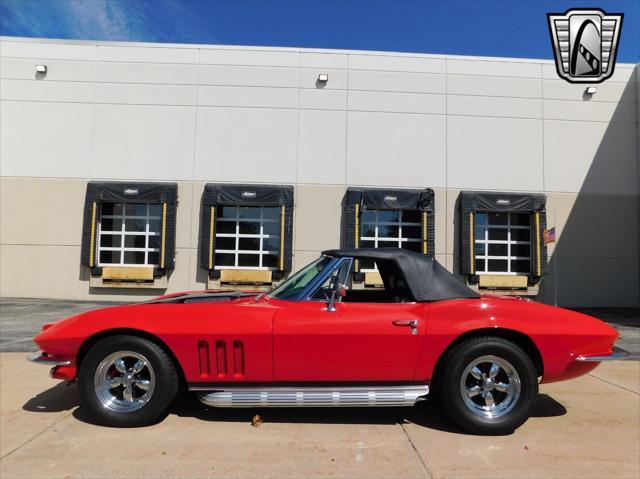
292, 287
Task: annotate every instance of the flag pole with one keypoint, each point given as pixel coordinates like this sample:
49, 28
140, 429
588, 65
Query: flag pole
555, 254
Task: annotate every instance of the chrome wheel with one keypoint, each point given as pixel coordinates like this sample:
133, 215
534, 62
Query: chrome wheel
490, 386
124, 381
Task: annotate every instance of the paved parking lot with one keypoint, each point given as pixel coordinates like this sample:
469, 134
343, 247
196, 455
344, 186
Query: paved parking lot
585, 428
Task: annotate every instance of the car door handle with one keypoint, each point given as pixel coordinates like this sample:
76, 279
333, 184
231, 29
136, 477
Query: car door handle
412, 323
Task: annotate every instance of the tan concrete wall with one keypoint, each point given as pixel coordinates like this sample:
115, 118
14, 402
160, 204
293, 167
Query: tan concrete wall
594, 262
638, 147
40, 248
197, 114
595, 259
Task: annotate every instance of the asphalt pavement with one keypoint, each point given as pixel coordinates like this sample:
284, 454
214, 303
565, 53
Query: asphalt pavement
22, 318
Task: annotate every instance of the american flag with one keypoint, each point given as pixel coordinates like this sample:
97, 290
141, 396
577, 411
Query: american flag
549, 235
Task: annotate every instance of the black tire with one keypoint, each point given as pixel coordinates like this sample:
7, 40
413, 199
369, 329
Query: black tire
449, 390
165, 380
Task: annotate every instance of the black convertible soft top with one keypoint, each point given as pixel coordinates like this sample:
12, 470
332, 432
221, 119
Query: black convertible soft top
427, 279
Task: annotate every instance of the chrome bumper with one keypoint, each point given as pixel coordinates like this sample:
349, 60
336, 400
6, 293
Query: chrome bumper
616, 354
41, 358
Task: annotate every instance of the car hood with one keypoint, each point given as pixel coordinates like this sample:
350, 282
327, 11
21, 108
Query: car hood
207, 296
162, 315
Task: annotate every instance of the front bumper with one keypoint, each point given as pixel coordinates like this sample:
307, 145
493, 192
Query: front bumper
615, 354
43, 358
63, 368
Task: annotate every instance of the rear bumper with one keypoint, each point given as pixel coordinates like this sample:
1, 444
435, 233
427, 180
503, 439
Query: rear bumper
579, 364
615, 354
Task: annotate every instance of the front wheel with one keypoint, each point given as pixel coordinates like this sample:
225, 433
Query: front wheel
127, 381
488, 385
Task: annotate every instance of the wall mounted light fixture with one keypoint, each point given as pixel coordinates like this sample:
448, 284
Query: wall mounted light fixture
41, 69
323, 78
591, 90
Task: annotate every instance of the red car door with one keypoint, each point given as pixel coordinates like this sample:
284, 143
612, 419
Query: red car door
357, 342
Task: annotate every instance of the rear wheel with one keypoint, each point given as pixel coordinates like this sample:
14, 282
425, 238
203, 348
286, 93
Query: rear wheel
488, 385
127, 381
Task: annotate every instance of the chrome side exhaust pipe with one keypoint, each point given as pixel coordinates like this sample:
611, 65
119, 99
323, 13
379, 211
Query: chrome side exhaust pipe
243, 397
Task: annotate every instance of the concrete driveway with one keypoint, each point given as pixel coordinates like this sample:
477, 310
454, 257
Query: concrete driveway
585, 428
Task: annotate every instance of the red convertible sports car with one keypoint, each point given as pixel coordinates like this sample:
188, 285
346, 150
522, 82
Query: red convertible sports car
317, 341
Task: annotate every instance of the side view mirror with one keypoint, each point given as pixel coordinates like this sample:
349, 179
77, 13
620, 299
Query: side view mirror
339, 292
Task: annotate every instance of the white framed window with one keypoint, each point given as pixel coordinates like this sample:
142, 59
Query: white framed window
502, 243
247, 237
129, 234
389, 229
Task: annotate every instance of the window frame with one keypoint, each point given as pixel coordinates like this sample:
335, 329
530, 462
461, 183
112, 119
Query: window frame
123, 233
261, 252
400, 239
486, 242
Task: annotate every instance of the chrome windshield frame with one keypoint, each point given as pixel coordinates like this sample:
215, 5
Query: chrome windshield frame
313, 284
317, 283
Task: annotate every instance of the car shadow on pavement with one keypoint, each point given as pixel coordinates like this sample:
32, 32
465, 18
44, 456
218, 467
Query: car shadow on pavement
546, 406
426, 414
63, 397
